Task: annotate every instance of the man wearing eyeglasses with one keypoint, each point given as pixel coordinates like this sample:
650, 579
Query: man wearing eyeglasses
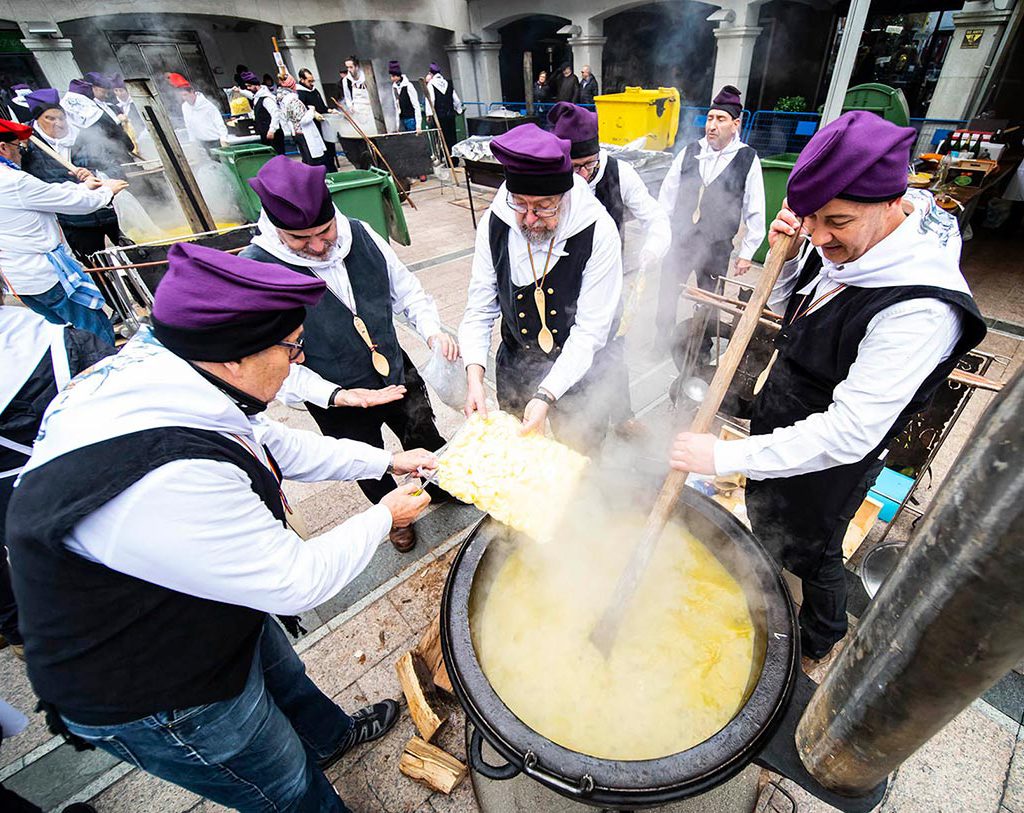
619, 189
548, 264
356, 377
145, 596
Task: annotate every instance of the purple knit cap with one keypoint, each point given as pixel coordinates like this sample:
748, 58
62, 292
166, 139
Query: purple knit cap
435, 68
97, 79
394, 68
859, 156
728, 99
39, 101
536, 162
294, 195
80, 86
214, 306
249, 78
578, 125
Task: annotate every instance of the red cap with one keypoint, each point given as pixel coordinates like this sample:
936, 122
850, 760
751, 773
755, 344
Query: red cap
176, 80
13, 131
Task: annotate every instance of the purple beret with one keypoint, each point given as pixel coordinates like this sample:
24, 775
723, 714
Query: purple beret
97, 79
21, 86
214, 306
728, 99
116, 80
536, 162
39, 101
80, 86
578, 125
859, 156
394, 68
435, 68
294, 195
249, 78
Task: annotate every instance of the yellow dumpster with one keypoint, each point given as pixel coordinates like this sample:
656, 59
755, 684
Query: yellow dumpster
638, 112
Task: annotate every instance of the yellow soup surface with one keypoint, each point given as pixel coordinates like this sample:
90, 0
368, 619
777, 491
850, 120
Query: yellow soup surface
681, 664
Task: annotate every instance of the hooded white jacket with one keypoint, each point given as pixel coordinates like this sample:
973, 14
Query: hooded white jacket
599, 294
903, 344
196, 526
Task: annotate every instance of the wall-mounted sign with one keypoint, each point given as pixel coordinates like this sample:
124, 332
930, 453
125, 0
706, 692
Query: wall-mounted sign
972, 38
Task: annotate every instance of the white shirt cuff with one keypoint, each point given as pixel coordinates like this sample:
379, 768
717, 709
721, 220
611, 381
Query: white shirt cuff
428, 328
319, 392
378, 520
731, 456
471, 357
377, 467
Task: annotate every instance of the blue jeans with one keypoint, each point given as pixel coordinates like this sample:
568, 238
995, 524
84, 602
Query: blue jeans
407, 125
54, 306
255, 752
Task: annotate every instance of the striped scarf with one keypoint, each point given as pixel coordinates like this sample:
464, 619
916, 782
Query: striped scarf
77, 284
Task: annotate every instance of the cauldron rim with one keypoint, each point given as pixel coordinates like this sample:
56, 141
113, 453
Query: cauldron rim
617, 782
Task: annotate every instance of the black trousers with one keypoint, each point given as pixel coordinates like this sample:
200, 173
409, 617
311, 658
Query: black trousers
411, 419
777, 521
707, 262
87, 240
8, 607
276, 143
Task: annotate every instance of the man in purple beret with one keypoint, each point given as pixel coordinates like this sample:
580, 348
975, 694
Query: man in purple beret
355, 378
443, 104
146, 603
265, 111
406, 99
17, 106
548, 264
619, 189
103, 94
712, 190
877, 314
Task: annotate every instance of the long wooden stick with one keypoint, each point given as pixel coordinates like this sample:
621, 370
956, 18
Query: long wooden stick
50, 151
607, 630
374, 150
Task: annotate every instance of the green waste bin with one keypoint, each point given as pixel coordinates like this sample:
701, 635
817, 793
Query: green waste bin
371, 196
887, 102
244, 161
775, 170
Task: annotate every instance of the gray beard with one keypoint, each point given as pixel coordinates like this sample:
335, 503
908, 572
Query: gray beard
537, 238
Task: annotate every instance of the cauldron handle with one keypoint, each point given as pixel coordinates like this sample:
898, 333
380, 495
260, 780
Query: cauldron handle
477, 763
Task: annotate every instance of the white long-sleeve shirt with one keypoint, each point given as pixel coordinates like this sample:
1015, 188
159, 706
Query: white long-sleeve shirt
203, 120
641, 204
408, 299
901, 347
209, 535
599, 295
196, 525
29, 228
414, 99
264, 97
712, 163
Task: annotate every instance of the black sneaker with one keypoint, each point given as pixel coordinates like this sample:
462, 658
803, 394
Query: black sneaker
370, 723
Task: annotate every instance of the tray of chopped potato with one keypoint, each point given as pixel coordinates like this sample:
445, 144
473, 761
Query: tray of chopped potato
524, 481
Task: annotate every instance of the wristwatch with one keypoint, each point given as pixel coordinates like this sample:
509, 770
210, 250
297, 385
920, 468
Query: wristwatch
546, 397
391, 464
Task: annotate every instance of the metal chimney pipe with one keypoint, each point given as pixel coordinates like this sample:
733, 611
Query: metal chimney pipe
946, 625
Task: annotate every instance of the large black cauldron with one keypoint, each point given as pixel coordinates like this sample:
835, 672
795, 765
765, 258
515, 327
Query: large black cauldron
645, 783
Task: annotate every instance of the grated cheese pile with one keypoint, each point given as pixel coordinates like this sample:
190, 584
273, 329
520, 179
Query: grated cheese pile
524, 481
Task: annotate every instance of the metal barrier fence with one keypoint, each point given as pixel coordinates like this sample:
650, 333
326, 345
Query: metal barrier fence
931, 131
771, 132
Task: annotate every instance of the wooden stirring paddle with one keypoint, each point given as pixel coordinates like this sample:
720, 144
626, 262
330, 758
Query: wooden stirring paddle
606, 630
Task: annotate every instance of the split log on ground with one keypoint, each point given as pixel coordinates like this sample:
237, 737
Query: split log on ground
430, 765
429, 649
418, 686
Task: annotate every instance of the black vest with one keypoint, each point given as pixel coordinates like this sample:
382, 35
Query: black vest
103, 647
722, 204
521, 364
405, 108
444, 104
333, 348
261, 115
794, 515
609, 193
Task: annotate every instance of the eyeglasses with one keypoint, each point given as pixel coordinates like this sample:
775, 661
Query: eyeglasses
588, 168
295, 349
523, 209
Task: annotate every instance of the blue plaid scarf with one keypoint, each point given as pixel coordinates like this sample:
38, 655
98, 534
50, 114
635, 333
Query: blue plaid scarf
77, 284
